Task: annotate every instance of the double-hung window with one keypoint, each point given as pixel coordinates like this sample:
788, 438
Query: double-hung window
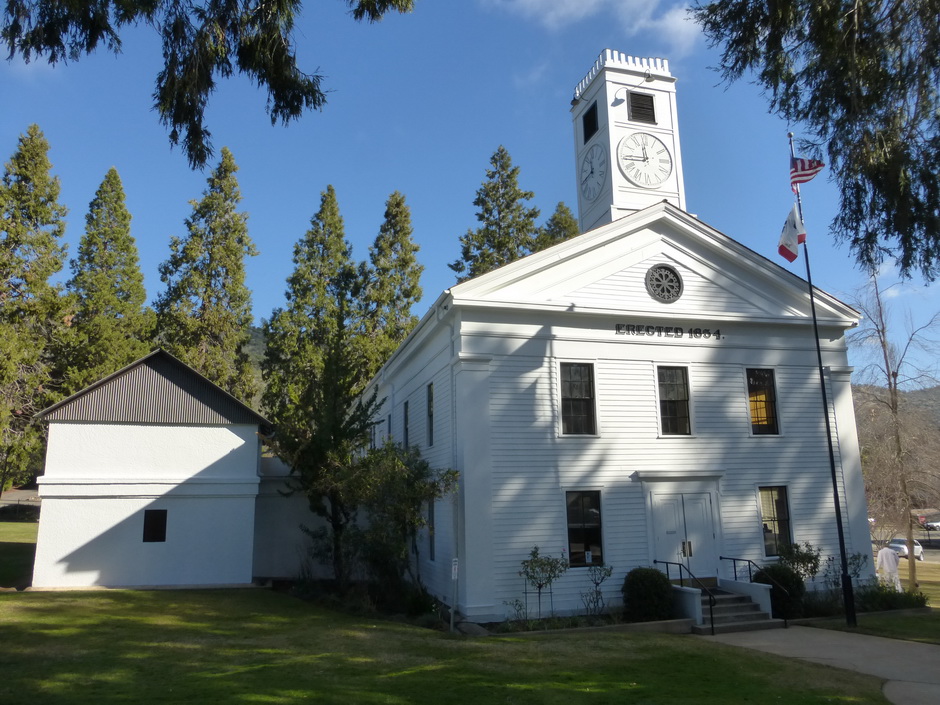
584, 528
674, 416
775, 519
404, 420
762, 398
431, 529
577, 398
430, 419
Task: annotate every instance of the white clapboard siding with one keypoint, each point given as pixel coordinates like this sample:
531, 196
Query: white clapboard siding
493, 347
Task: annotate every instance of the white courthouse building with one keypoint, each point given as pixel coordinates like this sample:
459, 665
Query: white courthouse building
647, 391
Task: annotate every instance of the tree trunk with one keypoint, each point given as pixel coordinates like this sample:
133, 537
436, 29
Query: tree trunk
338, 526
891, 373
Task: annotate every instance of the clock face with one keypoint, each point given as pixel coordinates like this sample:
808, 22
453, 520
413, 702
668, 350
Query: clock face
593, 172
644, 160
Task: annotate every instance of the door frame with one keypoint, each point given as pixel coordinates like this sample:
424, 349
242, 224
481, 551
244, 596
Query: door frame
695, 482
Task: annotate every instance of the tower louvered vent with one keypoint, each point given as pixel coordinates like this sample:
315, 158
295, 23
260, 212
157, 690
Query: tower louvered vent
642, 108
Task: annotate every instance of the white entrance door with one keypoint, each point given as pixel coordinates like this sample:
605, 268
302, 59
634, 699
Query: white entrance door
684, 528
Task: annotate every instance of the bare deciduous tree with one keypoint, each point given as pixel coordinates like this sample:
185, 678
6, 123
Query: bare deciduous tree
899, 443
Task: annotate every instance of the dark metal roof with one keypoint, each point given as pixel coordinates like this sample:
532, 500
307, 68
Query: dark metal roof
157, 389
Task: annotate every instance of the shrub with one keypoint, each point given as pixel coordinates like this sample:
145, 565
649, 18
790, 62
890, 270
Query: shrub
877, 596
803, 558
593, 599
541, 571
785, 605
647, 595
825, 602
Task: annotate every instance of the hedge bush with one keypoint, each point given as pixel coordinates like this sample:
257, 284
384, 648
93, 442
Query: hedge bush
877, 596
785, 605
647, 596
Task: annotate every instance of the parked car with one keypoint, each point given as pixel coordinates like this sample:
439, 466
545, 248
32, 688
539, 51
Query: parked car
932, 526
899, 546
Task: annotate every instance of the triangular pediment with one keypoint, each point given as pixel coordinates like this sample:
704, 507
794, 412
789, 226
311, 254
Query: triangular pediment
605, 271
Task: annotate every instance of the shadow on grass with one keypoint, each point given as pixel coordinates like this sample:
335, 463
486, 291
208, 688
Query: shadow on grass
256, 646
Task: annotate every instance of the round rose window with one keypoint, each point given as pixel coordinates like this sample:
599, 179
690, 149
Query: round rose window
663, 283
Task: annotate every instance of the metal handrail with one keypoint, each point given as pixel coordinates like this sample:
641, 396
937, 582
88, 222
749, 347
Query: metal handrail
750, 577
711, 597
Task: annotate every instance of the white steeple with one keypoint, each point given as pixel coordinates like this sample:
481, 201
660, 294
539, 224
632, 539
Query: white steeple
626, 136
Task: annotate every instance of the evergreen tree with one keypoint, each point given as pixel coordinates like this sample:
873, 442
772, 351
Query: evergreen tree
315, 374
31, 227
202, 41
862, 77
204, 316
390, 285
560, 227
508, 225
110, 325
297, 335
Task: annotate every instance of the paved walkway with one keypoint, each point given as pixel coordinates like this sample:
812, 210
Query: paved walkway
15, 496
912, 670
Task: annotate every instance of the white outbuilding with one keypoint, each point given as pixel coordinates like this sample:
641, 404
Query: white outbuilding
151, 479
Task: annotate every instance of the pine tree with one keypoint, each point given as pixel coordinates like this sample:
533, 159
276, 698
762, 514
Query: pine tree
560, 227
390, 285
315, 374
202, 42
204, 316
861, 77
31, 227
110, 325
508, 225
320, 284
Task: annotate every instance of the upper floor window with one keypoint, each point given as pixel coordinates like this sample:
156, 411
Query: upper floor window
762, 398
674, 415
577, 398
589, 122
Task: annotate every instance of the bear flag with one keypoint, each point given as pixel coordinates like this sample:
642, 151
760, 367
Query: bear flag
792, 236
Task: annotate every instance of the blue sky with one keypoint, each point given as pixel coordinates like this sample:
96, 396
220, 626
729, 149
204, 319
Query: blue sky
418, 103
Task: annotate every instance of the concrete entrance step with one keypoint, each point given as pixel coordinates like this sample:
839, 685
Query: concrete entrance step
733, 613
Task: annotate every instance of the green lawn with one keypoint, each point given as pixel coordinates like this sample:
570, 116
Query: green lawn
258, 646
917, 626
17, 548
910, 626
928, 580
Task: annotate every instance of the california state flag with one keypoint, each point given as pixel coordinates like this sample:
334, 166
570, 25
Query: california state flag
793, 235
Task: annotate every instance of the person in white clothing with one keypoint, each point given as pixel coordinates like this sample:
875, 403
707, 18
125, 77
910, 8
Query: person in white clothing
888, 567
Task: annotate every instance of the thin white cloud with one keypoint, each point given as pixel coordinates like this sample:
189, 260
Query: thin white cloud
21, 70
532, 76
667, 19
894, 287
551, 14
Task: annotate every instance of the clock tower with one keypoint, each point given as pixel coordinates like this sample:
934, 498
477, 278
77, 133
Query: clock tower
626, 138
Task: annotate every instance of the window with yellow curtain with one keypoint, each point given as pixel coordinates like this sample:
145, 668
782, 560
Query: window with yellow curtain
763, 401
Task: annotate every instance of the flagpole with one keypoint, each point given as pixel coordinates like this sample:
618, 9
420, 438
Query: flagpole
848, 596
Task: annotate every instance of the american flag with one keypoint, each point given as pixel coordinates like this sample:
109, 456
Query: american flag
803, 170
